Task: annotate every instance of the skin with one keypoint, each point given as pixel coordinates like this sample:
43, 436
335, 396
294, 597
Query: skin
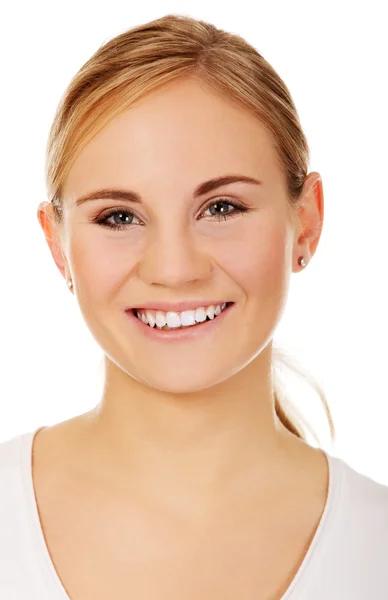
188, 425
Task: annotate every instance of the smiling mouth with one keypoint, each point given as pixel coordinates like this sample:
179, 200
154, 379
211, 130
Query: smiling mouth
180, 320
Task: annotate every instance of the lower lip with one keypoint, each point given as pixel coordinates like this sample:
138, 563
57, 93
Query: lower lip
182, 333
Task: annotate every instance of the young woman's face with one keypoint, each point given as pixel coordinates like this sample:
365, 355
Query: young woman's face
168, 244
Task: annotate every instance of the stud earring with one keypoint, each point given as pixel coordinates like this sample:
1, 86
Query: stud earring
69, 283
302, 261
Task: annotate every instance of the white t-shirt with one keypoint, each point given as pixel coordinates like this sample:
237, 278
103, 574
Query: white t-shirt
347, 559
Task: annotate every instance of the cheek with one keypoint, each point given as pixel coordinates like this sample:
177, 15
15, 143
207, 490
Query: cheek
101, 263
259, 260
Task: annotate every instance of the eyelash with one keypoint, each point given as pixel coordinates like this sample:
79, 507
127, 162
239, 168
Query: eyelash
238, 211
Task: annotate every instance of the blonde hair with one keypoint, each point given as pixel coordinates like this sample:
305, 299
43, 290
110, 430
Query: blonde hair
138, 61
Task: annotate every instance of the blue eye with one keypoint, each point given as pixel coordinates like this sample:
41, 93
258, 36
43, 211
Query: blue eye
221, 210
125, 216
120, 219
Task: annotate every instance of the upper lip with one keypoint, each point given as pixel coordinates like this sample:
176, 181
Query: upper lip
177, 306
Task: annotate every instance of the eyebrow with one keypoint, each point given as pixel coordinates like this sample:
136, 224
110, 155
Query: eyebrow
200, 190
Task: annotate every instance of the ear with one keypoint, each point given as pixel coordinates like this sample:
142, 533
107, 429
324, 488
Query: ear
309, 219
51, 230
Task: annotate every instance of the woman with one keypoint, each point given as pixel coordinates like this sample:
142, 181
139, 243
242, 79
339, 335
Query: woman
180, 204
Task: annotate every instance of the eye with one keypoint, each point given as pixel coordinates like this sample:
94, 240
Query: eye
121, 219
224, 209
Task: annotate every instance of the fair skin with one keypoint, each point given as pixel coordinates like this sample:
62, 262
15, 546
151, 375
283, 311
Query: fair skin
184, 430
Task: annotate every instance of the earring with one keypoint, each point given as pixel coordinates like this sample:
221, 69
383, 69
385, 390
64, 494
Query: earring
302, 261
69, 283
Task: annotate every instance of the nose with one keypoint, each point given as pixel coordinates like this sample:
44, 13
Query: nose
174, 259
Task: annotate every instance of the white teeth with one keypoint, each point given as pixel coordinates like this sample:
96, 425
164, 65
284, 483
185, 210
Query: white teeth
188, 317
174, 320
200, 314
161, 319
210, 311
150, 318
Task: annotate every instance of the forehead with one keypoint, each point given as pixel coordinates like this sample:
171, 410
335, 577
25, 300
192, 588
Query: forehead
181, 132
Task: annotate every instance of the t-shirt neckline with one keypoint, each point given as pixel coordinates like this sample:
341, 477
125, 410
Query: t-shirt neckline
51, 577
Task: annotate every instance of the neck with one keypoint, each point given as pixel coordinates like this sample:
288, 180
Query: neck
192, 448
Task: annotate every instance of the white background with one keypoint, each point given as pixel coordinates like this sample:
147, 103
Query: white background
333, 57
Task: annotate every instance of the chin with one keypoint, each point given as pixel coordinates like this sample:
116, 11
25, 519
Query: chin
181, 369
183, 383
187, 381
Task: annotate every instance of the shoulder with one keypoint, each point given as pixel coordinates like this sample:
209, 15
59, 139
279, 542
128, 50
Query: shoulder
349, 553
360, 515
362, 491
13, 456
12, 503
16, 550
15, 470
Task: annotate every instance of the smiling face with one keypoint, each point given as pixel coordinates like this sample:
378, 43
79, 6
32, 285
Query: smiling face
233, 243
